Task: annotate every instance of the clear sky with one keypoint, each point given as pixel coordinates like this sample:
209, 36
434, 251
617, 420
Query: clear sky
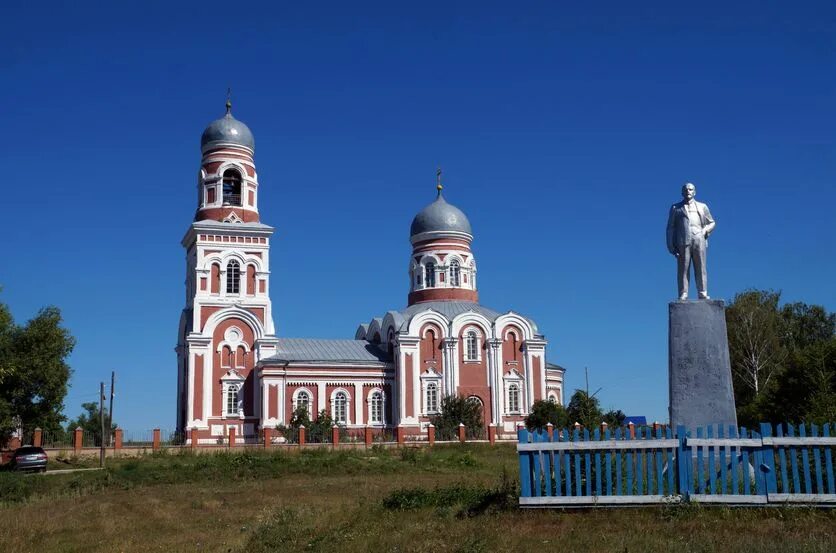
565, 133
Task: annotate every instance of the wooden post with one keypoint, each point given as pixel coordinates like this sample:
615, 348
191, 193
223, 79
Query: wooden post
38, 438
301, 434
492, 434
77, 436
550, 431
268, 436
431, 434
368, 436
231, 442
461, 432
195, 439
117, 439
155, 443
335, 436
399, 435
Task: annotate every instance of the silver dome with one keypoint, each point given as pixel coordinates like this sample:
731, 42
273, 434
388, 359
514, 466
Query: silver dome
227, 130
440, 216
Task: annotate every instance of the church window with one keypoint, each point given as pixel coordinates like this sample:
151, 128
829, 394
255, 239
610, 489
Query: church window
376, 408
471, 346
430, 269
432, 397
303, 401
210, 195
232, 187
455, 273
232, 400
514, 398
233, 277
340, 408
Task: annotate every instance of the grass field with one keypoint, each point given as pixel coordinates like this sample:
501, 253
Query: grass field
451, 498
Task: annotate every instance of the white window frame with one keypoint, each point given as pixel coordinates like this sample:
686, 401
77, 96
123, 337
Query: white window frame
230, 279
334, 394
382, 420
232, 381
455, 268
466, 353
430, 274
295, 399
514, 398
514, 378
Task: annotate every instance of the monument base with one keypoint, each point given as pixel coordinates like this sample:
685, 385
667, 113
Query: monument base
699, 370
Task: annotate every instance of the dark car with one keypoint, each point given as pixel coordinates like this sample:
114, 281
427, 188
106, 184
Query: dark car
29, 457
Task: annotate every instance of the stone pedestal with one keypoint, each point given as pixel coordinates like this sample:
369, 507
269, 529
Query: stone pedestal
699, 370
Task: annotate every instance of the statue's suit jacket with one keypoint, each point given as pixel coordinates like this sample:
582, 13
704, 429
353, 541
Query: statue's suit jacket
679, 227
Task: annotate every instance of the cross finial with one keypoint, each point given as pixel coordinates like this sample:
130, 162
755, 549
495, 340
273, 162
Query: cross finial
438, 180
228, 101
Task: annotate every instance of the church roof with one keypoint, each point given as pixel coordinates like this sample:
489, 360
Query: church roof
440, 216
328, 351
449, 309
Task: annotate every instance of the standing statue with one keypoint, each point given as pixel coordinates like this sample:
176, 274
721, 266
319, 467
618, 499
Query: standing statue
689, 225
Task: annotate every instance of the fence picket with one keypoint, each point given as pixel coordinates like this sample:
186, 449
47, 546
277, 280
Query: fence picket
597, 437
639, 466
805, 460
670, 465
817, 461
744, 464
768, 461
735, 462
576, 437
608, 464
525, 465
700, 473
536, 486
629, 462
547, 465
567, 456
618, 475
794, 460
723, 467
683, 463
712, 473
782, 459
758, 464
828, 461
660, 477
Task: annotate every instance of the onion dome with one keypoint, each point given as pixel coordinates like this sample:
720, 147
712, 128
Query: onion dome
227, 130
440, 217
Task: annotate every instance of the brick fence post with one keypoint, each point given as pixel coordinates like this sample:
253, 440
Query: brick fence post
492, 434
461, 432
400, 435
268, 437
431, 434
335, 436
155, 444
231, 442
631, 428
38, 438
369, 437
301, 434
603, 429
194, 438
117, 439
77, 437
550, 431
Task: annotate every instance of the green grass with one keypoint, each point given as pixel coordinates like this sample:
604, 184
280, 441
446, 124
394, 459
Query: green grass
449, 498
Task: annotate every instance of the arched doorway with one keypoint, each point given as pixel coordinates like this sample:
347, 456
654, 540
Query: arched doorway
478, 401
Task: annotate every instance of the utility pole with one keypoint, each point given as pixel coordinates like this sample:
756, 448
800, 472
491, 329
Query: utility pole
102, 421
110, 410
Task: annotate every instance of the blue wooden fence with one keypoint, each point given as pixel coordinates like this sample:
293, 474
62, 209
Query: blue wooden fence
719, 465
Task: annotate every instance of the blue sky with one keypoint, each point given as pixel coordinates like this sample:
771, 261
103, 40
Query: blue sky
564, 131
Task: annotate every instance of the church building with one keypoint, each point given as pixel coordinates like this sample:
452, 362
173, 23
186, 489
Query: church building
234, 371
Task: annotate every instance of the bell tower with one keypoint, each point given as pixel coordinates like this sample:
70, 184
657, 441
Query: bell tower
227, 324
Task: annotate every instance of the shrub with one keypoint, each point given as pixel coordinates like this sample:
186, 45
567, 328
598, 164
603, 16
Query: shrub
457, 410
545, 412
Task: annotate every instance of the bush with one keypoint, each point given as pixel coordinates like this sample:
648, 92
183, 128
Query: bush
457, 410
317, 431
545, 412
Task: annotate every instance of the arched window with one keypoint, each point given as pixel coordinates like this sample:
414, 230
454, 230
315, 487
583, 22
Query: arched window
303, 401
432, 397
233, 277
455, 273
340, 408
471, 346
232, 400
430, 270
514, 398
552, 398
232, 187
376, 408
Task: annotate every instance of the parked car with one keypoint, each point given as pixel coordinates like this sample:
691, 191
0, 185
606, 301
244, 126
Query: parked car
29, 457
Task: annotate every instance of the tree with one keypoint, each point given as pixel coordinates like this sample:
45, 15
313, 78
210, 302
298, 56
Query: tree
545, 412
755, 333
585, 409
33, 371
90, 423
457, 410
615, 418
